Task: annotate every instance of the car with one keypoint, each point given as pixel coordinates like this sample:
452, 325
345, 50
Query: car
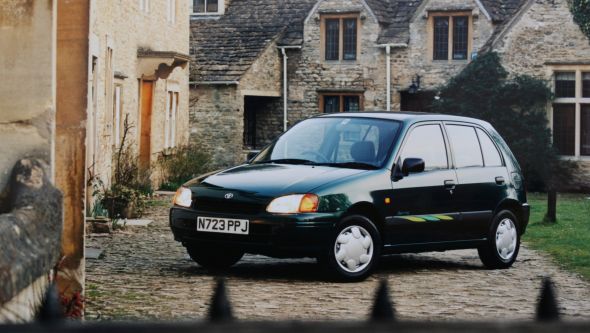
348, 188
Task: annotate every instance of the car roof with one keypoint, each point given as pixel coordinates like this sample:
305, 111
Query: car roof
407, 117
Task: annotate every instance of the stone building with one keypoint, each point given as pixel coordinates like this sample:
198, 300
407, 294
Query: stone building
369, 55
73, 71
138, 55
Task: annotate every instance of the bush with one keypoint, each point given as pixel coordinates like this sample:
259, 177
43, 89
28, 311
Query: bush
581, 11
516, 107
187, 162
131, 185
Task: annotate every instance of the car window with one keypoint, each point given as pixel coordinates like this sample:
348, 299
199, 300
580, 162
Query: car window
427, 142
465, 146
354, 134
334, 141
491, 156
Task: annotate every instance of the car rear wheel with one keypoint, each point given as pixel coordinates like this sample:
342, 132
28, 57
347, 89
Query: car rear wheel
355, 249
503, 242
215, 259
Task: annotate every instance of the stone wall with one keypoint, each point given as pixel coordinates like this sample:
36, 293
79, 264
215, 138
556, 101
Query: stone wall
543, 40
309, 73
30, 207
217, 111
417, 58
27, 91
216, 118
122, 26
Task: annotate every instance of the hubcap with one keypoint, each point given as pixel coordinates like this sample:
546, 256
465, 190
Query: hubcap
353, 249
506, 239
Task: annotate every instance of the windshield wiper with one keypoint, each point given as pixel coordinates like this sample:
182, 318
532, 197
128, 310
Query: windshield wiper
351, 165
289, 161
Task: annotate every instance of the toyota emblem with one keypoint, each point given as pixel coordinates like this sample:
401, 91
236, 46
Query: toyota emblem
229, 195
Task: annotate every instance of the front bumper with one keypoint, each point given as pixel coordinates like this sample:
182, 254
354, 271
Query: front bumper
292, 235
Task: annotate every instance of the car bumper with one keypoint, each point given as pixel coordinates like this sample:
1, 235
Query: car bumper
293, 235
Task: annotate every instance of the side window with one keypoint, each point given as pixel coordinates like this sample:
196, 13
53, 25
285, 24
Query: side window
465, 146
427, 142
491, 156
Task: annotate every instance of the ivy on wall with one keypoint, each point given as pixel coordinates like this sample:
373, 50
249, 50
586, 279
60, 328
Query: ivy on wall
581, 11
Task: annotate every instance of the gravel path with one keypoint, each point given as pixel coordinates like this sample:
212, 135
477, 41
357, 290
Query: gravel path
145, 274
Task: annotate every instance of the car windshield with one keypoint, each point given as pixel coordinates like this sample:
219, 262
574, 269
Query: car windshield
334, 141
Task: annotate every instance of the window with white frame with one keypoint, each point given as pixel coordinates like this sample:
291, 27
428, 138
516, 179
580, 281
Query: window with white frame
570, 116
200, 7
172, 99
144, 6
171, 13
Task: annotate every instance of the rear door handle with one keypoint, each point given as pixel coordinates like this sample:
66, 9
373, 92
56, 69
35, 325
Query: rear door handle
450, 184
500, 180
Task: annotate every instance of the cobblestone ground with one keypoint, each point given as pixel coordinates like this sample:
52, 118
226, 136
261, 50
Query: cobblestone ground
145, 274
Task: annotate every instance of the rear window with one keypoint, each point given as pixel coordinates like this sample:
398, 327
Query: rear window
491, 156
465, 146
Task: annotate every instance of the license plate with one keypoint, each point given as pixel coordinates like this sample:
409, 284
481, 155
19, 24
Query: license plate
223, 225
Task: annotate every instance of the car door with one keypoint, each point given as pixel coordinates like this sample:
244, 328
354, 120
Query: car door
422, 208
481, 176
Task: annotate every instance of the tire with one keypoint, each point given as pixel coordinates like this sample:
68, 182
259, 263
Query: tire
503, 242
214, 259
356, 234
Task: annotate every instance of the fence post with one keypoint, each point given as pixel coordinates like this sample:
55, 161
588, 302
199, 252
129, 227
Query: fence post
547, 309
382, 307
220, 309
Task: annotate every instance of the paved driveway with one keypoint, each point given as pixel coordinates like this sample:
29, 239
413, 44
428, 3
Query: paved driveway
145, 274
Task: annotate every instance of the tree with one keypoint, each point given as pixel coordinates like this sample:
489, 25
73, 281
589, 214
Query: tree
516, 107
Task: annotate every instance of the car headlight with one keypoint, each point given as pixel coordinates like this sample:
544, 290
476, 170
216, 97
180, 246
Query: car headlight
183, 197
295, 203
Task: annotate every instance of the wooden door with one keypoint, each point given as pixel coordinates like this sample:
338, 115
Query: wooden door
147, 90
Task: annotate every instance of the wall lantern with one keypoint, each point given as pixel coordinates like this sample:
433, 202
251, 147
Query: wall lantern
415, 86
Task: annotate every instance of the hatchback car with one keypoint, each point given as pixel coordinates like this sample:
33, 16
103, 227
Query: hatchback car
348, 188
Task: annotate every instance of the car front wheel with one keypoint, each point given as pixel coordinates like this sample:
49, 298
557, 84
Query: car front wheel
503, 242
215, 259
355, 249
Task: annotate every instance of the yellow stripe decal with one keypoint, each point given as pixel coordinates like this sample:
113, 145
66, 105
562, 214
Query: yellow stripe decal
427, 218
413, 218
444, 217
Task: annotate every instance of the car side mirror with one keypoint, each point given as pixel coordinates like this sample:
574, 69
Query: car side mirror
412, 165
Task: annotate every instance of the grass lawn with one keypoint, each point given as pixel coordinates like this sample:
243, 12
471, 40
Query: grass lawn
568, 240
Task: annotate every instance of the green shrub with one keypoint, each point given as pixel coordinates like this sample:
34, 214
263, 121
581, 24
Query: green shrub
581, 11
187, 162
131, 185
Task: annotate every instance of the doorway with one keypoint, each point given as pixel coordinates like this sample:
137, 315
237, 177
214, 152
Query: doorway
146, 97
420, 101
263, 121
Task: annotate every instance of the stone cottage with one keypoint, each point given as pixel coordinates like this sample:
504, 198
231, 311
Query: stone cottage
259, 66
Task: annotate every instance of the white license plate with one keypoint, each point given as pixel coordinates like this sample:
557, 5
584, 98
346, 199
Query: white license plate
223, 225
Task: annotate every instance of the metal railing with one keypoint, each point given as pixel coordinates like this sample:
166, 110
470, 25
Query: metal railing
382, 318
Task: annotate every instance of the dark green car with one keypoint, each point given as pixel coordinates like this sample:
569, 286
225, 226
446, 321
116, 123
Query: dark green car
348, 188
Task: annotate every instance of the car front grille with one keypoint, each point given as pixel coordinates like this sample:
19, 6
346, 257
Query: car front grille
227, 206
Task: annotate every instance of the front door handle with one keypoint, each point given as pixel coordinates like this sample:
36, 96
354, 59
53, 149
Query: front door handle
450, 184
500, 180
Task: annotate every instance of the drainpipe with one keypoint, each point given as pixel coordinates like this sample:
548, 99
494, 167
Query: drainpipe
388, 71
285, 89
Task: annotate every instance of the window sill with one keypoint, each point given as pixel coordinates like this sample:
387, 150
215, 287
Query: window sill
340, 62
582, 158
451, 62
